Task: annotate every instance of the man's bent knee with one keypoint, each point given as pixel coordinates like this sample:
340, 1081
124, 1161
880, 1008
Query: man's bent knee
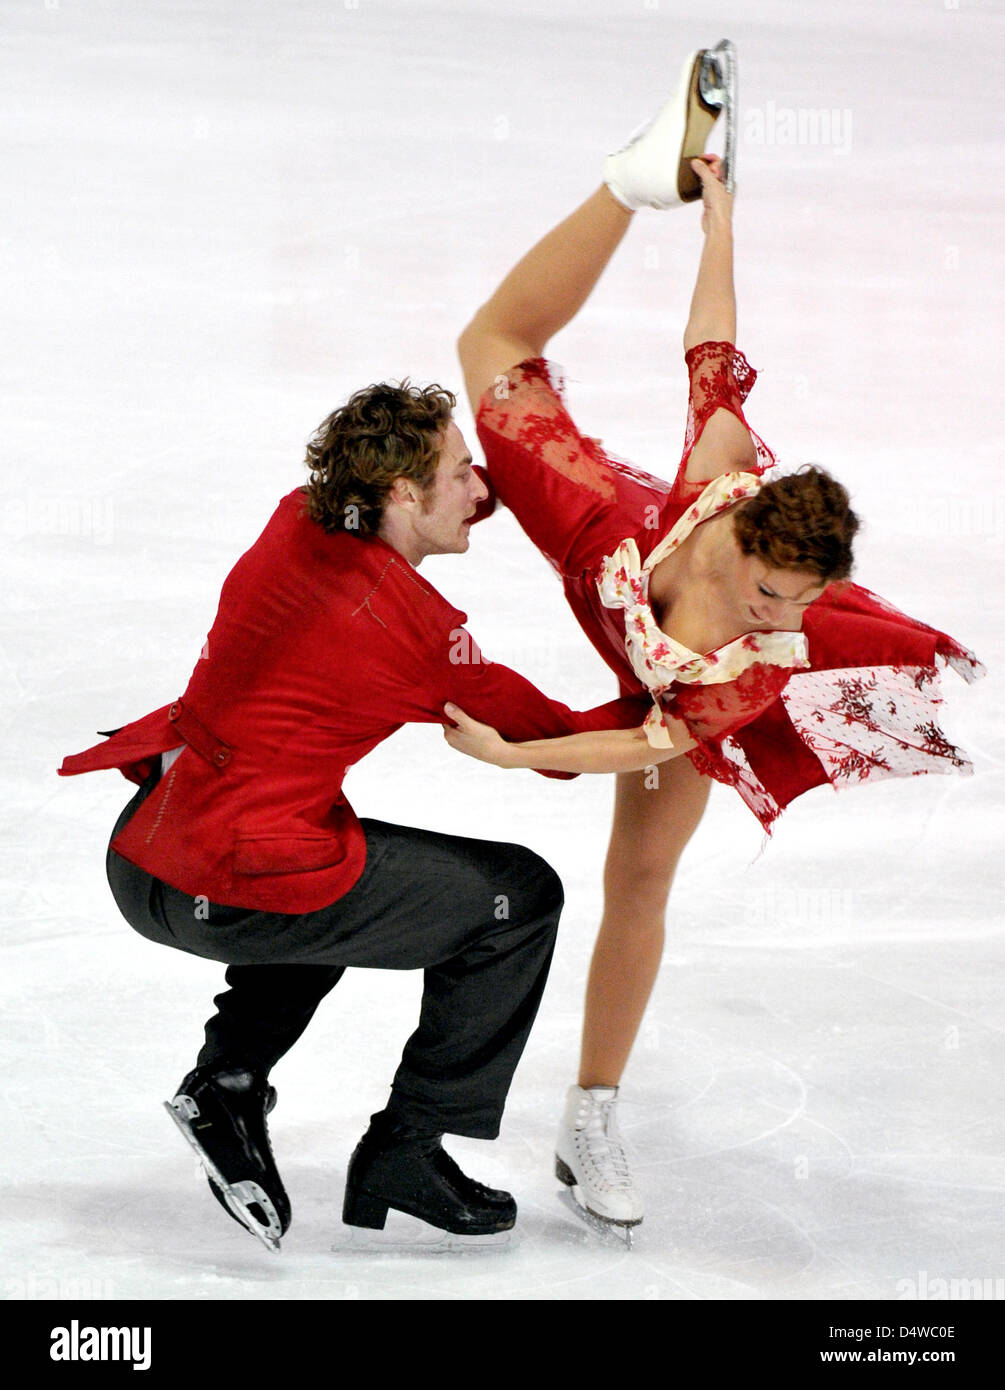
539, 885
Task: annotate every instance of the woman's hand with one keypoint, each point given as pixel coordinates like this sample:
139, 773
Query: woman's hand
596, 750
479, 741
717, 203
713, 305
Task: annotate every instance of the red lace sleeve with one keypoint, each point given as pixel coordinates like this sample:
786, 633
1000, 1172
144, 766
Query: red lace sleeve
721, 379
713, 711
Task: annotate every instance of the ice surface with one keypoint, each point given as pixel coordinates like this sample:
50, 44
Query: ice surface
223, 218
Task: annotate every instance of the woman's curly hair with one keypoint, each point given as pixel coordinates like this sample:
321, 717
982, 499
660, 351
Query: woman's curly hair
382, 432
800, 522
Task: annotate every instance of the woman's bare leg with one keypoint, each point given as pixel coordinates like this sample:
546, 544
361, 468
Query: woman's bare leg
651, 827
543, 292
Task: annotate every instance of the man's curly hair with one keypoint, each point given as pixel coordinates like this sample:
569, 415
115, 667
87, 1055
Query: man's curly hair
382, 432
800, 522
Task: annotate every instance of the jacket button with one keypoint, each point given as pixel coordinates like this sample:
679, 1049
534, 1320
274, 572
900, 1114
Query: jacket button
173, 712
221, 757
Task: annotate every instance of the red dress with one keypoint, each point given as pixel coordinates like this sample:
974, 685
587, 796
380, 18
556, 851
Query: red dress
854, 696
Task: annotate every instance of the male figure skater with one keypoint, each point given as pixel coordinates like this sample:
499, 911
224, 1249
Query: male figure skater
241, 847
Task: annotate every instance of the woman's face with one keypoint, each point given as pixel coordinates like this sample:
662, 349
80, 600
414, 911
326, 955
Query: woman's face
768, 598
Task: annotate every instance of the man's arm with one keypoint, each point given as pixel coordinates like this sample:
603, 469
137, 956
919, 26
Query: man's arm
427, 669
497, 695
405, 674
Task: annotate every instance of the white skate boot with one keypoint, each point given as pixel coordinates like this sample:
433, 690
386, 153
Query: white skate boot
590, 1157
653, 170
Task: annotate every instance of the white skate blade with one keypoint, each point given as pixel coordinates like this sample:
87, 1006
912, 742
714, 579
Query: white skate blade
615, 1231
239, 1196
408, 1235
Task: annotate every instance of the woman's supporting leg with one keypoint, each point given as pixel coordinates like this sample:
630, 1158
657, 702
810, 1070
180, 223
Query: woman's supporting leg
543, 292
652, 824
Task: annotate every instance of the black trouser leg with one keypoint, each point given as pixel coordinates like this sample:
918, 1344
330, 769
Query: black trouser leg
264, 1011
477, 1012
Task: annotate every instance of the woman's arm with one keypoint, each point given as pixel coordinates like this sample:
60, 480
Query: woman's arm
601, 750
713, 305
724, 444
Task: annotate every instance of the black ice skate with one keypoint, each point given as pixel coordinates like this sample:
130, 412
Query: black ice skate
397, 1168
221, 1112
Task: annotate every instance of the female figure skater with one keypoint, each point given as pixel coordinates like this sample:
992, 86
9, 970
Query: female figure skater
719, 597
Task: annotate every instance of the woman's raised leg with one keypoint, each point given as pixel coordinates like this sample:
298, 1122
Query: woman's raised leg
542, 293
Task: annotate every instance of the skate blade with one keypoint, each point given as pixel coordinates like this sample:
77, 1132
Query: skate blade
408, 1235
612, 1231
717, 84
239, 1197
713, 74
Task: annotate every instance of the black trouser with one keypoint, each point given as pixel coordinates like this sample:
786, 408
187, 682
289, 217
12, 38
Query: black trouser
477, 916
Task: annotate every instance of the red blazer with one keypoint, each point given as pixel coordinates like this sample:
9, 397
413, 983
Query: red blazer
323, 646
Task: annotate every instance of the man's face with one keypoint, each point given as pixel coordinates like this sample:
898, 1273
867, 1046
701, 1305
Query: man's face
442, 521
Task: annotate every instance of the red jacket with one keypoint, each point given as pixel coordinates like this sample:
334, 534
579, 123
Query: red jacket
323, 646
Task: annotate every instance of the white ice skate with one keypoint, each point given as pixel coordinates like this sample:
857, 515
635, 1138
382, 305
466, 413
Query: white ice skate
653, 170
590, 1158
